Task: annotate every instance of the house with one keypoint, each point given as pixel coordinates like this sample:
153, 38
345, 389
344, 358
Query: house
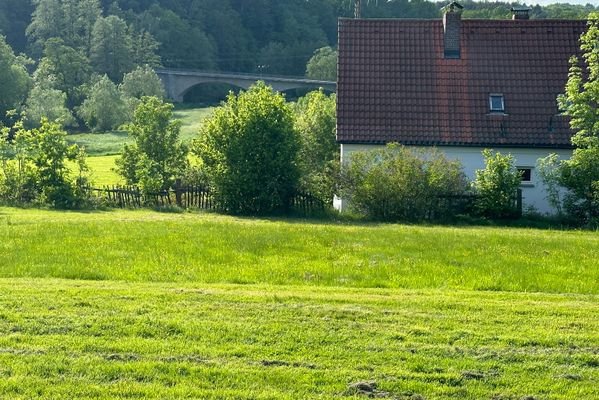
461, 85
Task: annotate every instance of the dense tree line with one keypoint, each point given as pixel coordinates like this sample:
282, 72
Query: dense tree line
234, 35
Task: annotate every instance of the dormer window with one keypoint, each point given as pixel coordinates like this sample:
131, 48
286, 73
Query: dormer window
496, 103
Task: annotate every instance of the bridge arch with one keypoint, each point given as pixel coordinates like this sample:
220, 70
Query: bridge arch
209, 93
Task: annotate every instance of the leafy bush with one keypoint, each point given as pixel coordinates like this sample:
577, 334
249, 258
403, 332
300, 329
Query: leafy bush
315, 121
496, 186
17, 175
580, 176
34, 167
397, 183
249, 149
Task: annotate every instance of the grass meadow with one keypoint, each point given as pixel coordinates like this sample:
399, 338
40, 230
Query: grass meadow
139, 304
208, 248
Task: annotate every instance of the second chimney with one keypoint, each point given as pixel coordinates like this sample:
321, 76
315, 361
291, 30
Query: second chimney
520, 13
452, 24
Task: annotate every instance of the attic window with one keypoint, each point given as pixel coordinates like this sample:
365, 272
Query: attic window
496, 102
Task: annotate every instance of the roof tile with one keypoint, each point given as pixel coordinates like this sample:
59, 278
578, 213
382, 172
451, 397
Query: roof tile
395, 85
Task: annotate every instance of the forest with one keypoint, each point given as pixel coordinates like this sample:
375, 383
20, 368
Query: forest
276, 37
65, 59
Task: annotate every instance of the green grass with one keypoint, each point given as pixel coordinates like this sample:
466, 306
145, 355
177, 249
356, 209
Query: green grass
138, 304
191, 120
74, 339
102, 170
217, 249
99, 144
110, 143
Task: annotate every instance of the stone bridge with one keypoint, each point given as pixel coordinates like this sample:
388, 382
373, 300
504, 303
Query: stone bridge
177, 82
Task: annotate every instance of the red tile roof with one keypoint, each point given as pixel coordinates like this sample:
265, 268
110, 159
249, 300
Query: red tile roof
394, 84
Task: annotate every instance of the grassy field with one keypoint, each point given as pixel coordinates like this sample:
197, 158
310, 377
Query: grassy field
191, 120
102, 170
218, 249
109, 143
138, 304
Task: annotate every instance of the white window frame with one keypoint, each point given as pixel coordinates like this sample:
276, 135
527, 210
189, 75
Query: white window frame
530, 181
496, 95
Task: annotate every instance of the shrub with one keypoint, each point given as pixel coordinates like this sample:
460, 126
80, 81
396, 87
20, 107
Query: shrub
249, 148
496, 186
34, 167
580, 176
396, 183
315, 122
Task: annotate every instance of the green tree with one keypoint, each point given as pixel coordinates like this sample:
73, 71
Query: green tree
111, 48
145, 49
580, 174
396, 183
579, 101
71, 21
315, 122
496, 185
17, 175
79, 17
323, 64
141, 82
46, 22
14, 79
104, 109
138, 83
249, 148
157, 157
45, 102
68, 68
182, 44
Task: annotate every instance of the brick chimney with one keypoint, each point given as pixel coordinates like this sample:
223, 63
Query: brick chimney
520, 13
452, 24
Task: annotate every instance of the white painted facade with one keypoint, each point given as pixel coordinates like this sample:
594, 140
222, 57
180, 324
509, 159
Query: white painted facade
533, 192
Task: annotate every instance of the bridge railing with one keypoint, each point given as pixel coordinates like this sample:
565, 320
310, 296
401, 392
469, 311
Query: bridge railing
256, 75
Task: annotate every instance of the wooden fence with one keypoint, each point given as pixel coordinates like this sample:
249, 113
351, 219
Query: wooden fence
189, 197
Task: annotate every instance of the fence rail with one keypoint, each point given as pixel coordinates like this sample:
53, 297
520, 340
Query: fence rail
190, 197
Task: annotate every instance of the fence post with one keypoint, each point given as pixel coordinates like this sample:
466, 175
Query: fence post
519, 202
178, 193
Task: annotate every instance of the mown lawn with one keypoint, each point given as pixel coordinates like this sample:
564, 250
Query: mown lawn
139, 304
75, 339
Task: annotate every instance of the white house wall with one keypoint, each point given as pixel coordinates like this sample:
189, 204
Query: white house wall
471, 158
